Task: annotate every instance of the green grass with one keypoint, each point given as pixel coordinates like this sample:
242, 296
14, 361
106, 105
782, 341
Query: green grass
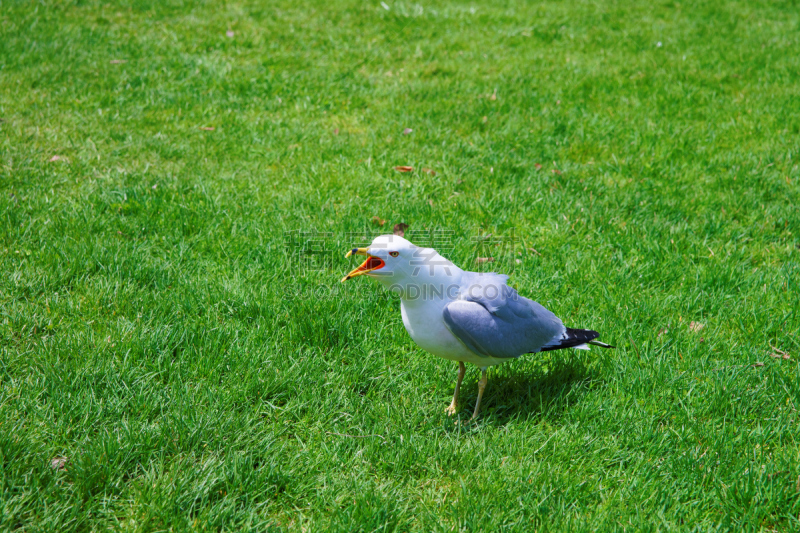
158, 333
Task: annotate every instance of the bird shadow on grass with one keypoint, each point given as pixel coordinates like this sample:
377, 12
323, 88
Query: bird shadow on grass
546, 390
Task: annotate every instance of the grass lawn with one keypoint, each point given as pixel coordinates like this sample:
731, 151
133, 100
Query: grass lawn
179, 183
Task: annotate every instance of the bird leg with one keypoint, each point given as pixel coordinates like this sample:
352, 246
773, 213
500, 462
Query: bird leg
481, 387
461, 371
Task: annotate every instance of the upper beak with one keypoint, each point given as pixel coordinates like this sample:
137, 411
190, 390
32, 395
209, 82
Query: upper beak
355, 251
372, 263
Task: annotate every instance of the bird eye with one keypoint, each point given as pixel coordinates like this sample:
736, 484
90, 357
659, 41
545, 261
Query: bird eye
394, 254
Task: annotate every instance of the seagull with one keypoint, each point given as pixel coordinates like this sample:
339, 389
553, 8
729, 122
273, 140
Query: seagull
468, 317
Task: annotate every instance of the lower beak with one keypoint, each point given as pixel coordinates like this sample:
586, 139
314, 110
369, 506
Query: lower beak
372, 263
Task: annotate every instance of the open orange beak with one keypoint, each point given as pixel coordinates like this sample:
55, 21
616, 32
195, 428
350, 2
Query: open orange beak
372, 263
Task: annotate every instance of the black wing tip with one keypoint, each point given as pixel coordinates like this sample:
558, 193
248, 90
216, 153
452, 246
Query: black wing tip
573, 337
585, 334
601, 344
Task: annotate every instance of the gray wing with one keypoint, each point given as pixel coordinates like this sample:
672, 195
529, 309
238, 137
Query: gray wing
493, 320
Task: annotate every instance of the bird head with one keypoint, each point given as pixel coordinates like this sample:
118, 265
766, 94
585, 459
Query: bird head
397, 263
387, 257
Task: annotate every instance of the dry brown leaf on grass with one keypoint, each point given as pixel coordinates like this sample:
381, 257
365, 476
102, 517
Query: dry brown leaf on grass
403, 168
481, 260
118, 61
207, 128
58, 463
779, 354
758, 364
533, 251
378, 221
57, 158
537, 166
696, 326
400, 229
408, 131
429, 171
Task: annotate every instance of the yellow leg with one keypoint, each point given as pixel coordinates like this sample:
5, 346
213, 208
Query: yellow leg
481, 387
461, 371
